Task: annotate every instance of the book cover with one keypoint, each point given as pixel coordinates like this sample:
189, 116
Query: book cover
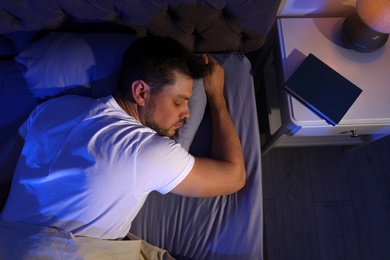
322, 89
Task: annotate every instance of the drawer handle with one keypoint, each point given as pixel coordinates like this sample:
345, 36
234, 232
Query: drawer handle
353, 132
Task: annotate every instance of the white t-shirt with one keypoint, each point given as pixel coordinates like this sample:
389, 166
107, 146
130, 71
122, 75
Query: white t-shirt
87, 167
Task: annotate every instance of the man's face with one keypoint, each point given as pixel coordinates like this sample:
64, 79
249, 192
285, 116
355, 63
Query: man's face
167, 110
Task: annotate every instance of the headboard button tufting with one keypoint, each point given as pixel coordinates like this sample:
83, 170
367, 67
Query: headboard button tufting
203, 25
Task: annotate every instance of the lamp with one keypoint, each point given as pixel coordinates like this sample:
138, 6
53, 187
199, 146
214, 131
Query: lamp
367, 29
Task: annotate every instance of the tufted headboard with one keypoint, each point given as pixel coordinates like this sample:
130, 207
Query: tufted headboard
201, 25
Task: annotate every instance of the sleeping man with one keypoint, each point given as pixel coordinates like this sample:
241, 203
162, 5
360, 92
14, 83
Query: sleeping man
87, 165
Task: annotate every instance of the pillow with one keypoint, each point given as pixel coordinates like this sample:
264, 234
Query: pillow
197, 105
71, 63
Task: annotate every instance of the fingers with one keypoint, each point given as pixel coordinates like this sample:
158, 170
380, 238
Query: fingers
205, 58
210, 60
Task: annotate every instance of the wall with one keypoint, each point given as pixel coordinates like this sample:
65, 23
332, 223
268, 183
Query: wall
325, 8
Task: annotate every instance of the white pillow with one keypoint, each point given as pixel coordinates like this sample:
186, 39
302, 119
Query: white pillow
197, 105
71, 63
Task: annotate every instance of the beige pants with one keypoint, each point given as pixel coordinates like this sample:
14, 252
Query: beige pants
150, 252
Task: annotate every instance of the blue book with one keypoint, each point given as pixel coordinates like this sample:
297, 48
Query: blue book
322, 89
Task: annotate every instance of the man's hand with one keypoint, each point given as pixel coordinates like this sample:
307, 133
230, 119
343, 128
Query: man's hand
214, 82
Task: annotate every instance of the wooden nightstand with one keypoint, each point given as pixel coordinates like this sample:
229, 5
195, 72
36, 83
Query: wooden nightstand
291, 123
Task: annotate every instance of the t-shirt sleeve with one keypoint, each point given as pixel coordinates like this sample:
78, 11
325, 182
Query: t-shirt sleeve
162, 163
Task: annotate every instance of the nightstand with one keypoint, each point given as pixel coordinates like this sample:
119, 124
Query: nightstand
293, 124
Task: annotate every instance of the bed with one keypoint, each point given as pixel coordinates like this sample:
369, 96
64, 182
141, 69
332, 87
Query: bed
56, 47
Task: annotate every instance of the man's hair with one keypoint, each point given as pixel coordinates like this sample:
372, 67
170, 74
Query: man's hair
154, 59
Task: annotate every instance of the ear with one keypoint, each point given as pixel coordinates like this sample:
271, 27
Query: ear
139, 90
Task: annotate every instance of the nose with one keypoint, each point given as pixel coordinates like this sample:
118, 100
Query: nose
186, 112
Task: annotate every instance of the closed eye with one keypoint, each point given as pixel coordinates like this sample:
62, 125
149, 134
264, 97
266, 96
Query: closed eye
181, 100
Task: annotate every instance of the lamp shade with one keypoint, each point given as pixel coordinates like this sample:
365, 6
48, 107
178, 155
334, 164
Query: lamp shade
375, 14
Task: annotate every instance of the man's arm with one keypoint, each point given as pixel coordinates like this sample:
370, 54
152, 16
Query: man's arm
223, 173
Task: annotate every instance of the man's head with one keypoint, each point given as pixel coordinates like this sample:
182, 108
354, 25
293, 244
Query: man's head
157, 74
